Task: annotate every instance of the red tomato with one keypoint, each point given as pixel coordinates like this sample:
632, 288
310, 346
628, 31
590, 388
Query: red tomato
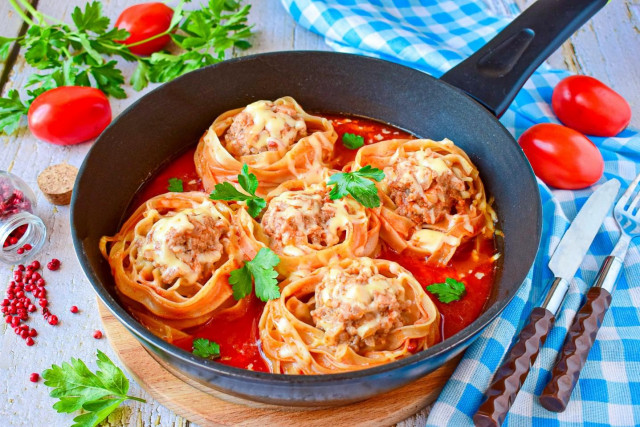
589, 106
562, 157
143, 21
69, 115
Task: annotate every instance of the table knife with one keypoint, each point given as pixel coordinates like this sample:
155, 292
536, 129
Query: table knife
563, 264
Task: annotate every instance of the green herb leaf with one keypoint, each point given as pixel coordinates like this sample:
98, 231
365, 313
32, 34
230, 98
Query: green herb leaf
140, 77
202, 347
261, 268
175, 185
5, 45
450, 290
91, 18
77, 388
240, 280
352, 141
11, 111
358, 184
249, 183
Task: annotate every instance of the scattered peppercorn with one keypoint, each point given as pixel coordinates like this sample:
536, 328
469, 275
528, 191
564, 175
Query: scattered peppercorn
34, 377
73, 309
97, 334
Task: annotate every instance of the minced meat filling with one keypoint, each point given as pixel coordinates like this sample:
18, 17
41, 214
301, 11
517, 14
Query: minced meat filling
358, 306
423, 188
264, 126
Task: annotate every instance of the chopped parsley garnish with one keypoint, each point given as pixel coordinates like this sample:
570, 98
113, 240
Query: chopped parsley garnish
249, 183
175, 185
202, 347
263, 273
358, 184
77, 388
352, 141
450, 290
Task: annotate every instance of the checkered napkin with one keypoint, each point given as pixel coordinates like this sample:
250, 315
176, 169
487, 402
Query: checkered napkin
434, 36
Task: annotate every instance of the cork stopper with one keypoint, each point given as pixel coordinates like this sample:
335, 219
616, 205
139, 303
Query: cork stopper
56, 183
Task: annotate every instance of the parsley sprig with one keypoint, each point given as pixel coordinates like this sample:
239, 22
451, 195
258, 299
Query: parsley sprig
175, 185
78, 388
81, 53
202, 347
450, 290
352, 141
261, 268
358, 184
249, 183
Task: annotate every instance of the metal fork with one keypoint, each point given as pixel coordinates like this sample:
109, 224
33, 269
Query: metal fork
586, 324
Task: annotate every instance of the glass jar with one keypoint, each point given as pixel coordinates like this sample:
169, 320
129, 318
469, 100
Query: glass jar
22, 233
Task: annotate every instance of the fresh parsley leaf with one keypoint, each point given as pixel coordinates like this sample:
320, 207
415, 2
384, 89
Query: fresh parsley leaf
91, 18
352, 141
140, 77
249, 183
97, 393
261, 268
11, 110
202, 347
5, 45
450, 290
219, 26
175, 185
358, 184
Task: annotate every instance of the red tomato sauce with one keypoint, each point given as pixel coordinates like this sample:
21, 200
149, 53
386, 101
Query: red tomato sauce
238, 338
472, 265
370, 130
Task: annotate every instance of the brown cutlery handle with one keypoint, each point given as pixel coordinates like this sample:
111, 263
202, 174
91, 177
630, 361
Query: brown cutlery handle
580, 338
509, 378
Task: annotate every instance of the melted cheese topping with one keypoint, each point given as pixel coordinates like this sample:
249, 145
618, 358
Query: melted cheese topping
300, 222
358, 304
276, 125
431, 240
159, 244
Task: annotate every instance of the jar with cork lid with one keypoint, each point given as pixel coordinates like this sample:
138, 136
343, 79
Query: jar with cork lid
22, 233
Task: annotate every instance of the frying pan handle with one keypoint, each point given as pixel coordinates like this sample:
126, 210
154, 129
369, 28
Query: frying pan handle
495, 73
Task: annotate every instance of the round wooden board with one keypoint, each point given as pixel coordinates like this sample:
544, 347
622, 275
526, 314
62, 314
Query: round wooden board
208, 407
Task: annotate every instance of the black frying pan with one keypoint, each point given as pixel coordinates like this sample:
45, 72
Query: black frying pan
172, 118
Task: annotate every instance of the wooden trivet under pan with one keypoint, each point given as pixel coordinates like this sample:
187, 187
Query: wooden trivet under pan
208, 407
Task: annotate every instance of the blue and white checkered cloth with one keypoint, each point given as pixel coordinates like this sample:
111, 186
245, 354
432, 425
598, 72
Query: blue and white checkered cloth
434, 36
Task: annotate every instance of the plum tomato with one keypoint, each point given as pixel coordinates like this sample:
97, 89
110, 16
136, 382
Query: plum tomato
589, 106
143, 21
562, 157
69, 115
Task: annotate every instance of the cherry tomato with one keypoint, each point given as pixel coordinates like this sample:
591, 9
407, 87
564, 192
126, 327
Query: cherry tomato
69, 115
143, 21
562, 157
589, 106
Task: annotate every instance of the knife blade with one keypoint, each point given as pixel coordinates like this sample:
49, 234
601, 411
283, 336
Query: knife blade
576, 241
564, 263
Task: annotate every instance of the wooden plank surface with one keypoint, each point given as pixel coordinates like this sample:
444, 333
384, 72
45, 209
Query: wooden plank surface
606, 48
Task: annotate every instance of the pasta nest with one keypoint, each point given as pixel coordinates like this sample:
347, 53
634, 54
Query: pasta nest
173, 256
351, 314
432, 197
273, 159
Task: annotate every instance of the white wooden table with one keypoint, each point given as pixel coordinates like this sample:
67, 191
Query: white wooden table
607, 48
